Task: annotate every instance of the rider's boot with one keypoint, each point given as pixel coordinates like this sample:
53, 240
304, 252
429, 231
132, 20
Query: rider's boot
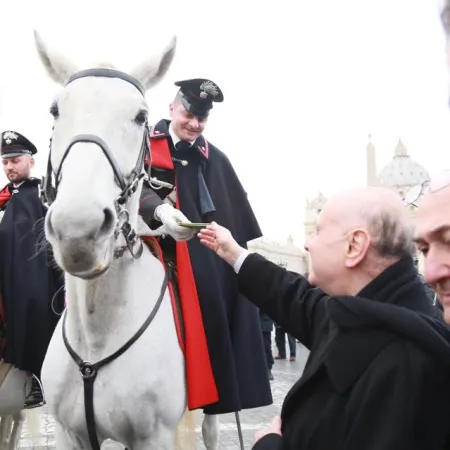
35, 397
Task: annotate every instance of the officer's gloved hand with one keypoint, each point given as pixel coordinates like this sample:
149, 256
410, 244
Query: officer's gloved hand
171, 219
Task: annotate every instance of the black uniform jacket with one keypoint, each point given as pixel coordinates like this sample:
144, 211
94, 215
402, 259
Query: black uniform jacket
29, 279
378, 373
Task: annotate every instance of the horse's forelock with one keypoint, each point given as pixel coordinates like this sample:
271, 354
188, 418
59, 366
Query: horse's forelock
104, 65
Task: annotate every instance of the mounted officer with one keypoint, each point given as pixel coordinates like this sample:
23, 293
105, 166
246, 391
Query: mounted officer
29, 280
192, 179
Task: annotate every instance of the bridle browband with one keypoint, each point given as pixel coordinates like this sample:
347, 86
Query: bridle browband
128, 185
108, 73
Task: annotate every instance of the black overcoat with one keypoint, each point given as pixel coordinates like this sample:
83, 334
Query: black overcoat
377, 377
29, 279
232, 325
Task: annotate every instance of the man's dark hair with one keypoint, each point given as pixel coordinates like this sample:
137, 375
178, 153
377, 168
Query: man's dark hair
390, 237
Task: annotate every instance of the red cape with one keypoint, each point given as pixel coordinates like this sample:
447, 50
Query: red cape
5, 195
201, 386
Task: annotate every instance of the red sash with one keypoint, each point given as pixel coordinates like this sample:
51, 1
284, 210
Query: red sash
201, 386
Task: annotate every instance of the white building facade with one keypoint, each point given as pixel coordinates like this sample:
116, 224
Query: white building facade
286, 255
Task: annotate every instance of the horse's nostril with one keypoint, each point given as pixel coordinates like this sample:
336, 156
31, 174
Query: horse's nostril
108, 222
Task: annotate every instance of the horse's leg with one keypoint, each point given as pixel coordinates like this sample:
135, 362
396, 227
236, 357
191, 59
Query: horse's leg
162, 438
66, 441
14, 439
6, 424
210, 432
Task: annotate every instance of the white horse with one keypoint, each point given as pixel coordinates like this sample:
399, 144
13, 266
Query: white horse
140, 396
14, 384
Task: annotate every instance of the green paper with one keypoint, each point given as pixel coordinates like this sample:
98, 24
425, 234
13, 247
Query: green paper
193, 225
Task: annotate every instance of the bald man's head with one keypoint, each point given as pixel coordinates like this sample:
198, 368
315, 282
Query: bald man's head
359, 234
433, 236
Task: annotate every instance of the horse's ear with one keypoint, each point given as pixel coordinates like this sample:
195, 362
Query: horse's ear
59, 68
152, 71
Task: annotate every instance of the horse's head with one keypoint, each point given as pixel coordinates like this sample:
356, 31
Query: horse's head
97, 152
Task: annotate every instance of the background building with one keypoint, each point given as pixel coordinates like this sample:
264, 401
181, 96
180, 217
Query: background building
400, 174
286, 254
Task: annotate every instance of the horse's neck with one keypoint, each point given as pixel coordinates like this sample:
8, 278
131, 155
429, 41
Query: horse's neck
101, 309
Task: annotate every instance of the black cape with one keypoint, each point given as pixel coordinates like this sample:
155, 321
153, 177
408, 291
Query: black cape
28, 279
231, 322
377, 374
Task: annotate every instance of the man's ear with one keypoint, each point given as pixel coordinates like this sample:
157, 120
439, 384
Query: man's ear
357, 248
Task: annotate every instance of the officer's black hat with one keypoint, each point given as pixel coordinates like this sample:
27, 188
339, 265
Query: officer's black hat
198, 95
15, 144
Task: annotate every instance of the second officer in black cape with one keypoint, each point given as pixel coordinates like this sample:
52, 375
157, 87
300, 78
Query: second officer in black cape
29, 280
208, 188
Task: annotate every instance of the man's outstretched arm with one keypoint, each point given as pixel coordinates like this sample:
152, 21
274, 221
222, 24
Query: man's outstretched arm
287, 298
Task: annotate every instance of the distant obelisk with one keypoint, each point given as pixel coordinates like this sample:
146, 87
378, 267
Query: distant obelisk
371, 163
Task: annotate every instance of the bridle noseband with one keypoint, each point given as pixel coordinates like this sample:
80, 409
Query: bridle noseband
127, 185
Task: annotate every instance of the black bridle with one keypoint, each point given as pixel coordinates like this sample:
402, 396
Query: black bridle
128, 186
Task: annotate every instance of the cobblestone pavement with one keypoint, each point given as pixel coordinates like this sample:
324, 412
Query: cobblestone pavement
285, 374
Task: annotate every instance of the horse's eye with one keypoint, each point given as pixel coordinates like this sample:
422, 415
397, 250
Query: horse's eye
141, 117
54, 111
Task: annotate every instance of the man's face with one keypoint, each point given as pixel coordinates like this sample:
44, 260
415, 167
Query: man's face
327, 249
18, 168
433, 240
186, 126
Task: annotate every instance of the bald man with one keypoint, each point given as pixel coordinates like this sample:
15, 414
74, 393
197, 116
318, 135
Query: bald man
433, 236
377, 373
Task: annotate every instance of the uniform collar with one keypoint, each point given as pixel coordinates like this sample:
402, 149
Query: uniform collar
32, 181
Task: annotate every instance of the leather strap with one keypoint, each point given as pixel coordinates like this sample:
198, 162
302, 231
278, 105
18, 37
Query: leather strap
89, 371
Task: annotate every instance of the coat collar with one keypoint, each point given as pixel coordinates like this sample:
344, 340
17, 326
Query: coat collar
6, 192
368, 322
387, 286
161, 130
32, 181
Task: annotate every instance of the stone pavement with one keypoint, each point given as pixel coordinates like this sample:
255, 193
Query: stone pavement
285, 374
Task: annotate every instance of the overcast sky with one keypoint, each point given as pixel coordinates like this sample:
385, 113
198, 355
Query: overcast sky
305, 82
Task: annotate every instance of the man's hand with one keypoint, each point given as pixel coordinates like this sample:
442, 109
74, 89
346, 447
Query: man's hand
171, 219
275, 428
219, 240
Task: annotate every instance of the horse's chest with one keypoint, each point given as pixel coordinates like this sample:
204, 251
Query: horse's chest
62, 382
66, 400
129, 392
